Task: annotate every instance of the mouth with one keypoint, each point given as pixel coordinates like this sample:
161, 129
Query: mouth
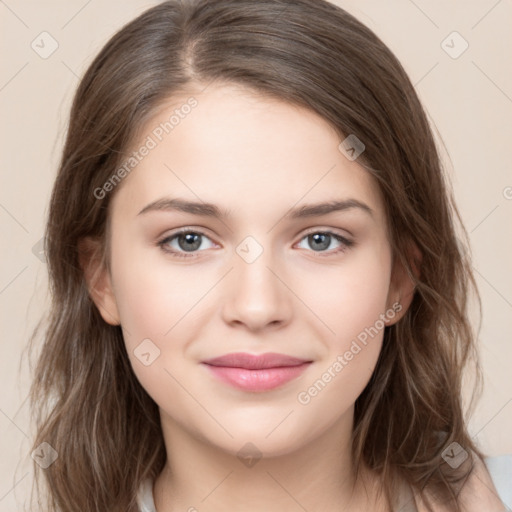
256, 372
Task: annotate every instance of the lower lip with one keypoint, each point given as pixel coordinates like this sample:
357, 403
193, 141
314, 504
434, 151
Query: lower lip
257, 380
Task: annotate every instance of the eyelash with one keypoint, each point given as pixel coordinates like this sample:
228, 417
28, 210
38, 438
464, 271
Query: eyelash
346, 244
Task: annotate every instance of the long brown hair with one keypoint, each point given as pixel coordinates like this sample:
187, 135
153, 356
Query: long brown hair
87, 403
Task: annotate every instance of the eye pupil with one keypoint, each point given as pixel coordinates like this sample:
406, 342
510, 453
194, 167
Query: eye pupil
193, 241
317, 239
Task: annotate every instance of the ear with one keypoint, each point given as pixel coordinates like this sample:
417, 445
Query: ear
98, 280
402, 287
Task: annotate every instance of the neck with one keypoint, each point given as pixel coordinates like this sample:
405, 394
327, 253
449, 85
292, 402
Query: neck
319, 475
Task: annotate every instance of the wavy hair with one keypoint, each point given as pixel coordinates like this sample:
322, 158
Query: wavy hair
86, 400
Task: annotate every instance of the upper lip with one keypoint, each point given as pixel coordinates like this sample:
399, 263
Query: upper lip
255, 362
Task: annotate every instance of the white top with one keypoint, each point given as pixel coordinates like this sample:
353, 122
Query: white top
500, 469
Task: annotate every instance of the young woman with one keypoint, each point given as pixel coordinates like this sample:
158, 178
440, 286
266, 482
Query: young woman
259, 297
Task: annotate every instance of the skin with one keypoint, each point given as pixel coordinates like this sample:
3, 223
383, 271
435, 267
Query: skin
258, 158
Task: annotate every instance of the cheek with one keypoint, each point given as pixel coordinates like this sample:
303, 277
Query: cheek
351, 296
152, 293
352, 305
159, 304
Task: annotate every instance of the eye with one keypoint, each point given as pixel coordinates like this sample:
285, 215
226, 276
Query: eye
187, 241
321, 240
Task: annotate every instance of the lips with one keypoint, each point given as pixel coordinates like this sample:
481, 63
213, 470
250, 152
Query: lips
255, 362
256, 373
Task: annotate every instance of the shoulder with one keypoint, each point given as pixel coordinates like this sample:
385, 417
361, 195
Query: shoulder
487, 488
145, 496
500, 471
484, 489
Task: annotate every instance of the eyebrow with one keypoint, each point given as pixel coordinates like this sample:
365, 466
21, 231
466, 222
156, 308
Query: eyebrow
211, 210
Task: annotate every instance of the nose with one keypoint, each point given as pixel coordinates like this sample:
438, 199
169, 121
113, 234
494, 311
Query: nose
256, 295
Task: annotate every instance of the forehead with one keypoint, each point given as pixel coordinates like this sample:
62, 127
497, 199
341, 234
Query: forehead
243, 151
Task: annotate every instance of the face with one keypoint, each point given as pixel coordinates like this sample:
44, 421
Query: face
268, 274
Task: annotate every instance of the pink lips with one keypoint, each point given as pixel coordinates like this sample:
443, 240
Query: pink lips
256, 373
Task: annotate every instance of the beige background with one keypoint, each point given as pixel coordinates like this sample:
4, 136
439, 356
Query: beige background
469, 99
